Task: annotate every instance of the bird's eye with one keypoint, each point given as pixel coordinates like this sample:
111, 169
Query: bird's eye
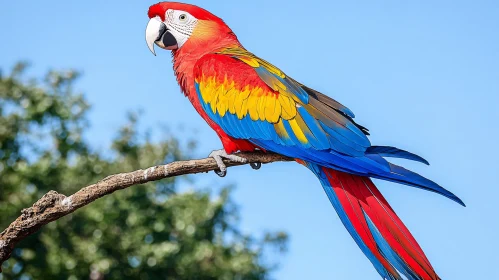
182, 17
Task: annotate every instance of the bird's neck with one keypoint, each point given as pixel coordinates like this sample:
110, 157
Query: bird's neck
185, 59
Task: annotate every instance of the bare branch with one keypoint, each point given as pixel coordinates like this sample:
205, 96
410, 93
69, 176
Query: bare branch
53, 205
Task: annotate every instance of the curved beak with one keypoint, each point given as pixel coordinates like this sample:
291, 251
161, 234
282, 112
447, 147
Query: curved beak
157, 33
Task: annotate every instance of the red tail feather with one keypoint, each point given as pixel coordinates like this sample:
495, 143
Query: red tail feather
359, 198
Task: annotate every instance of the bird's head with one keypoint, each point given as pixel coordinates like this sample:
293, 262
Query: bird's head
174, 25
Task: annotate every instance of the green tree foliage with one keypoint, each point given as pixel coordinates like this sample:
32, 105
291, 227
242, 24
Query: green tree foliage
144, 232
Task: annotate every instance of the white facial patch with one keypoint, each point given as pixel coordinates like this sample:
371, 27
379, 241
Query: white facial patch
181, 25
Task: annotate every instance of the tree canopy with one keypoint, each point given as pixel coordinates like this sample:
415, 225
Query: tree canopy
144, 232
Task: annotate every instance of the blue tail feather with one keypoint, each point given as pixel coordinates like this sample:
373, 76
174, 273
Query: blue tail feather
387, 151
401, 175
371, 165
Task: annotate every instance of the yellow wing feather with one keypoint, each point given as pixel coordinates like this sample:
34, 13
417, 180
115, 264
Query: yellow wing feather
300, 135
252, 106
261, 104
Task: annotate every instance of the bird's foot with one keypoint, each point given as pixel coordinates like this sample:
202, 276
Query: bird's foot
219, 155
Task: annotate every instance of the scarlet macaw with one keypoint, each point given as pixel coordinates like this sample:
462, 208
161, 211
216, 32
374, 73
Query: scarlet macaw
251, 104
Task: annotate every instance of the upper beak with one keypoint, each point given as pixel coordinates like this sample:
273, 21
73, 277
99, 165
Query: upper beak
157, 33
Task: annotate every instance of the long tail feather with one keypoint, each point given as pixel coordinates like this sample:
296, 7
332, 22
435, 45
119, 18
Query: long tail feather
387, 151
401, 175
374, 226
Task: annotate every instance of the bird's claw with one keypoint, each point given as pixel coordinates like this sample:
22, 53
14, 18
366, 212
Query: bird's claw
220, 173
219, 155
256, 165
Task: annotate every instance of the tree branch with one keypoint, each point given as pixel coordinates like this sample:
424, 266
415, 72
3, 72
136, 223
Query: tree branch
53, 205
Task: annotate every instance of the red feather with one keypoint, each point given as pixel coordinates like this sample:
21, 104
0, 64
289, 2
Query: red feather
358, 195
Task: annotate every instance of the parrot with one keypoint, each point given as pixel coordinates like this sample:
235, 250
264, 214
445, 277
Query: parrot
254, 106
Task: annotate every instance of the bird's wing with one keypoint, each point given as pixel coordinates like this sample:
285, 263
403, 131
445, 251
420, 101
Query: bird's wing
252, 99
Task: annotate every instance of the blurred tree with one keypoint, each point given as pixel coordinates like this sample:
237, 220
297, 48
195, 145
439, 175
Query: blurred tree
145, 232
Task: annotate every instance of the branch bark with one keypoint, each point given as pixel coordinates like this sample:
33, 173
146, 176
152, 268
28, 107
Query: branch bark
53, 205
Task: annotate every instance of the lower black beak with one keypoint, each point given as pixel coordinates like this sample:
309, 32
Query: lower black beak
167, 41
157, 33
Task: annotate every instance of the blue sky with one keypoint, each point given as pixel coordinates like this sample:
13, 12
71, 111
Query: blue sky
421, 75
